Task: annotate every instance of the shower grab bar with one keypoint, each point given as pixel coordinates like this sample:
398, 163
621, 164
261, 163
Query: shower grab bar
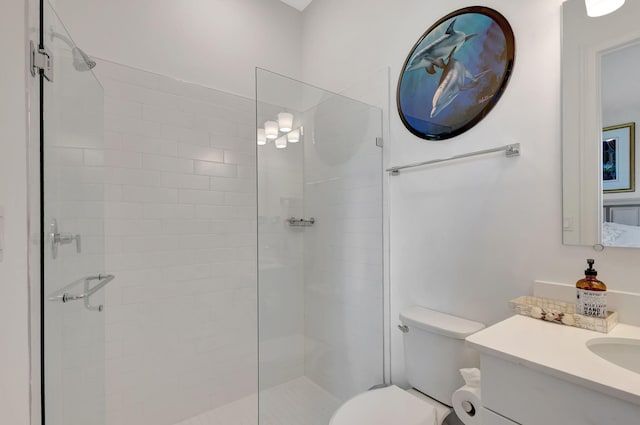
510, 151
65, 296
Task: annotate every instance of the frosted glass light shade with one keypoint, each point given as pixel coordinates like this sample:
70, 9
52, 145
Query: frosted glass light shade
597, 8
281, 142
294, 136
285, 120
271, 130
262, 137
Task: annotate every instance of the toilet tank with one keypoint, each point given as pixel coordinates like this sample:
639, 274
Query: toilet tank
434, 351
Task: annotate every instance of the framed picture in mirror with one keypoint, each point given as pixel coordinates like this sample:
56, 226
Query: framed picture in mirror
618, 158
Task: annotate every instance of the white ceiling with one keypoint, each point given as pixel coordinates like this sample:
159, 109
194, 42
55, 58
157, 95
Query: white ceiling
298, 4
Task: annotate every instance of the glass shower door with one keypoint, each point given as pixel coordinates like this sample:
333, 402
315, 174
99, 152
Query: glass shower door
320, 250
74, 279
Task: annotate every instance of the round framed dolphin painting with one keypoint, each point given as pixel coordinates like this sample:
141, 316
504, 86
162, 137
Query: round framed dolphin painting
456, 73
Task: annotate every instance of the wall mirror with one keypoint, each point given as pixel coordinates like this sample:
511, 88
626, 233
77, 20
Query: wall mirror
600, 112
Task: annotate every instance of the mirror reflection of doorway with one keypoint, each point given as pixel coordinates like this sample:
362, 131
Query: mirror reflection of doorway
620, 112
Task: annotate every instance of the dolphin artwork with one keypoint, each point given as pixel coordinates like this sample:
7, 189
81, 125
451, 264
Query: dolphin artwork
435, 53
453, 80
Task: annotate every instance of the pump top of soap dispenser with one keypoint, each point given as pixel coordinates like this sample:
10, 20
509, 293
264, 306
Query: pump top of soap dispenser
591, 271
590, 282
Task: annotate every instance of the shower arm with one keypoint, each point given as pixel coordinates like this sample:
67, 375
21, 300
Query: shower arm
81, 61
62, 37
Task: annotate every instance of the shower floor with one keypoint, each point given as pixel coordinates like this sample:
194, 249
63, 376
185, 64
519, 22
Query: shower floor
297, 402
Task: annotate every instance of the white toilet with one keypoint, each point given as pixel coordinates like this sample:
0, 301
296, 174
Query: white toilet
434, 352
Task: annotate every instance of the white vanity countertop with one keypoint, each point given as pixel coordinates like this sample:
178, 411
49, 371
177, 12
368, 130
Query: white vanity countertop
560, 351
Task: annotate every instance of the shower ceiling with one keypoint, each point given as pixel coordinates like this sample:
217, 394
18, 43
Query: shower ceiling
298, 4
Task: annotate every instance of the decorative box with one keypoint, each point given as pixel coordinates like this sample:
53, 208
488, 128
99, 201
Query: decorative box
563, 313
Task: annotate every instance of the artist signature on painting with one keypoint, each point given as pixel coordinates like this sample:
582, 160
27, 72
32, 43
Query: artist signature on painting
483, 99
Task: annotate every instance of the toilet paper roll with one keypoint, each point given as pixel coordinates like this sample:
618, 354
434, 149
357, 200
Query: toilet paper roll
467, 405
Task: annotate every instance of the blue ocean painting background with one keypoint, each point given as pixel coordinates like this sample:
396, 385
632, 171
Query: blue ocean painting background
609, 160
487, 51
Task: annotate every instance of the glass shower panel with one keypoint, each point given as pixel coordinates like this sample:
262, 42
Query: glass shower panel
320, 277
73, 241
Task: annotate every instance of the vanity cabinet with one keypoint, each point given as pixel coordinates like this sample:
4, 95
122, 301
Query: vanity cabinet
536, 372
529, 397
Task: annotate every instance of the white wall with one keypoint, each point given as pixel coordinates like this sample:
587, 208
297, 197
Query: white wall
14, 315
215, 43
468, 236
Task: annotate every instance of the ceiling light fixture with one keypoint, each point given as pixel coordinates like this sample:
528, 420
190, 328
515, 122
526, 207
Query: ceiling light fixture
271, 130
285, 120
294, 136
597, 8
281, 142
262, 137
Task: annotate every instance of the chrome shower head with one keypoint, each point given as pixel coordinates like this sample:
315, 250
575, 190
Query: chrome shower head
82, 61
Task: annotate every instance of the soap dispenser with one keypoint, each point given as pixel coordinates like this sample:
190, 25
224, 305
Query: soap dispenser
591, 294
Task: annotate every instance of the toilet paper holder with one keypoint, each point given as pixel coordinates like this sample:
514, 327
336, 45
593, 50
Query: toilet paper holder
466, 400
468, 407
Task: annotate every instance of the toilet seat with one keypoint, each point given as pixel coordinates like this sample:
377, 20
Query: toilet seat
390, 406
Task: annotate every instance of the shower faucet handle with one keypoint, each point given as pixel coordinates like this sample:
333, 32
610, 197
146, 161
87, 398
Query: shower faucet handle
67, 238
57, 239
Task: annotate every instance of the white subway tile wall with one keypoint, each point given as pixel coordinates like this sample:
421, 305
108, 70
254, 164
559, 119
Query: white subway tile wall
74, 336
281, 253
178, 170
343, 263
321, 287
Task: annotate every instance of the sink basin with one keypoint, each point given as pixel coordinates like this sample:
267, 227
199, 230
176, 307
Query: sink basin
623, 352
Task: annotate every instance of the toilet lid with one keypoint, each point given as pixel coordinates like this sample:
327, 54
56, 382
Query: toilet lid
386, 406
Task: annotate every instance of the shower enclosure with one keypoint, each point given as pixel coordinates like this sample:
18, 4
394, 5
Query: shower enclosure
155, 203
320, 278
72, 247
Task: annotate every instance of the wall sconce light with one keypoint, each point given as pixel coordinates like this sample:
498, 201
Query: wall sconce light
294, 136
597, 8
285, 120
271, 130
262, 137
281, 142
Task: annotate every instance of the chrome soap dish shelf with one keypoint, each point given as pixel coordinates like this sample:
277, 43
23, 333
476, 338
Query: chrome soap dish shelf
301, 222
